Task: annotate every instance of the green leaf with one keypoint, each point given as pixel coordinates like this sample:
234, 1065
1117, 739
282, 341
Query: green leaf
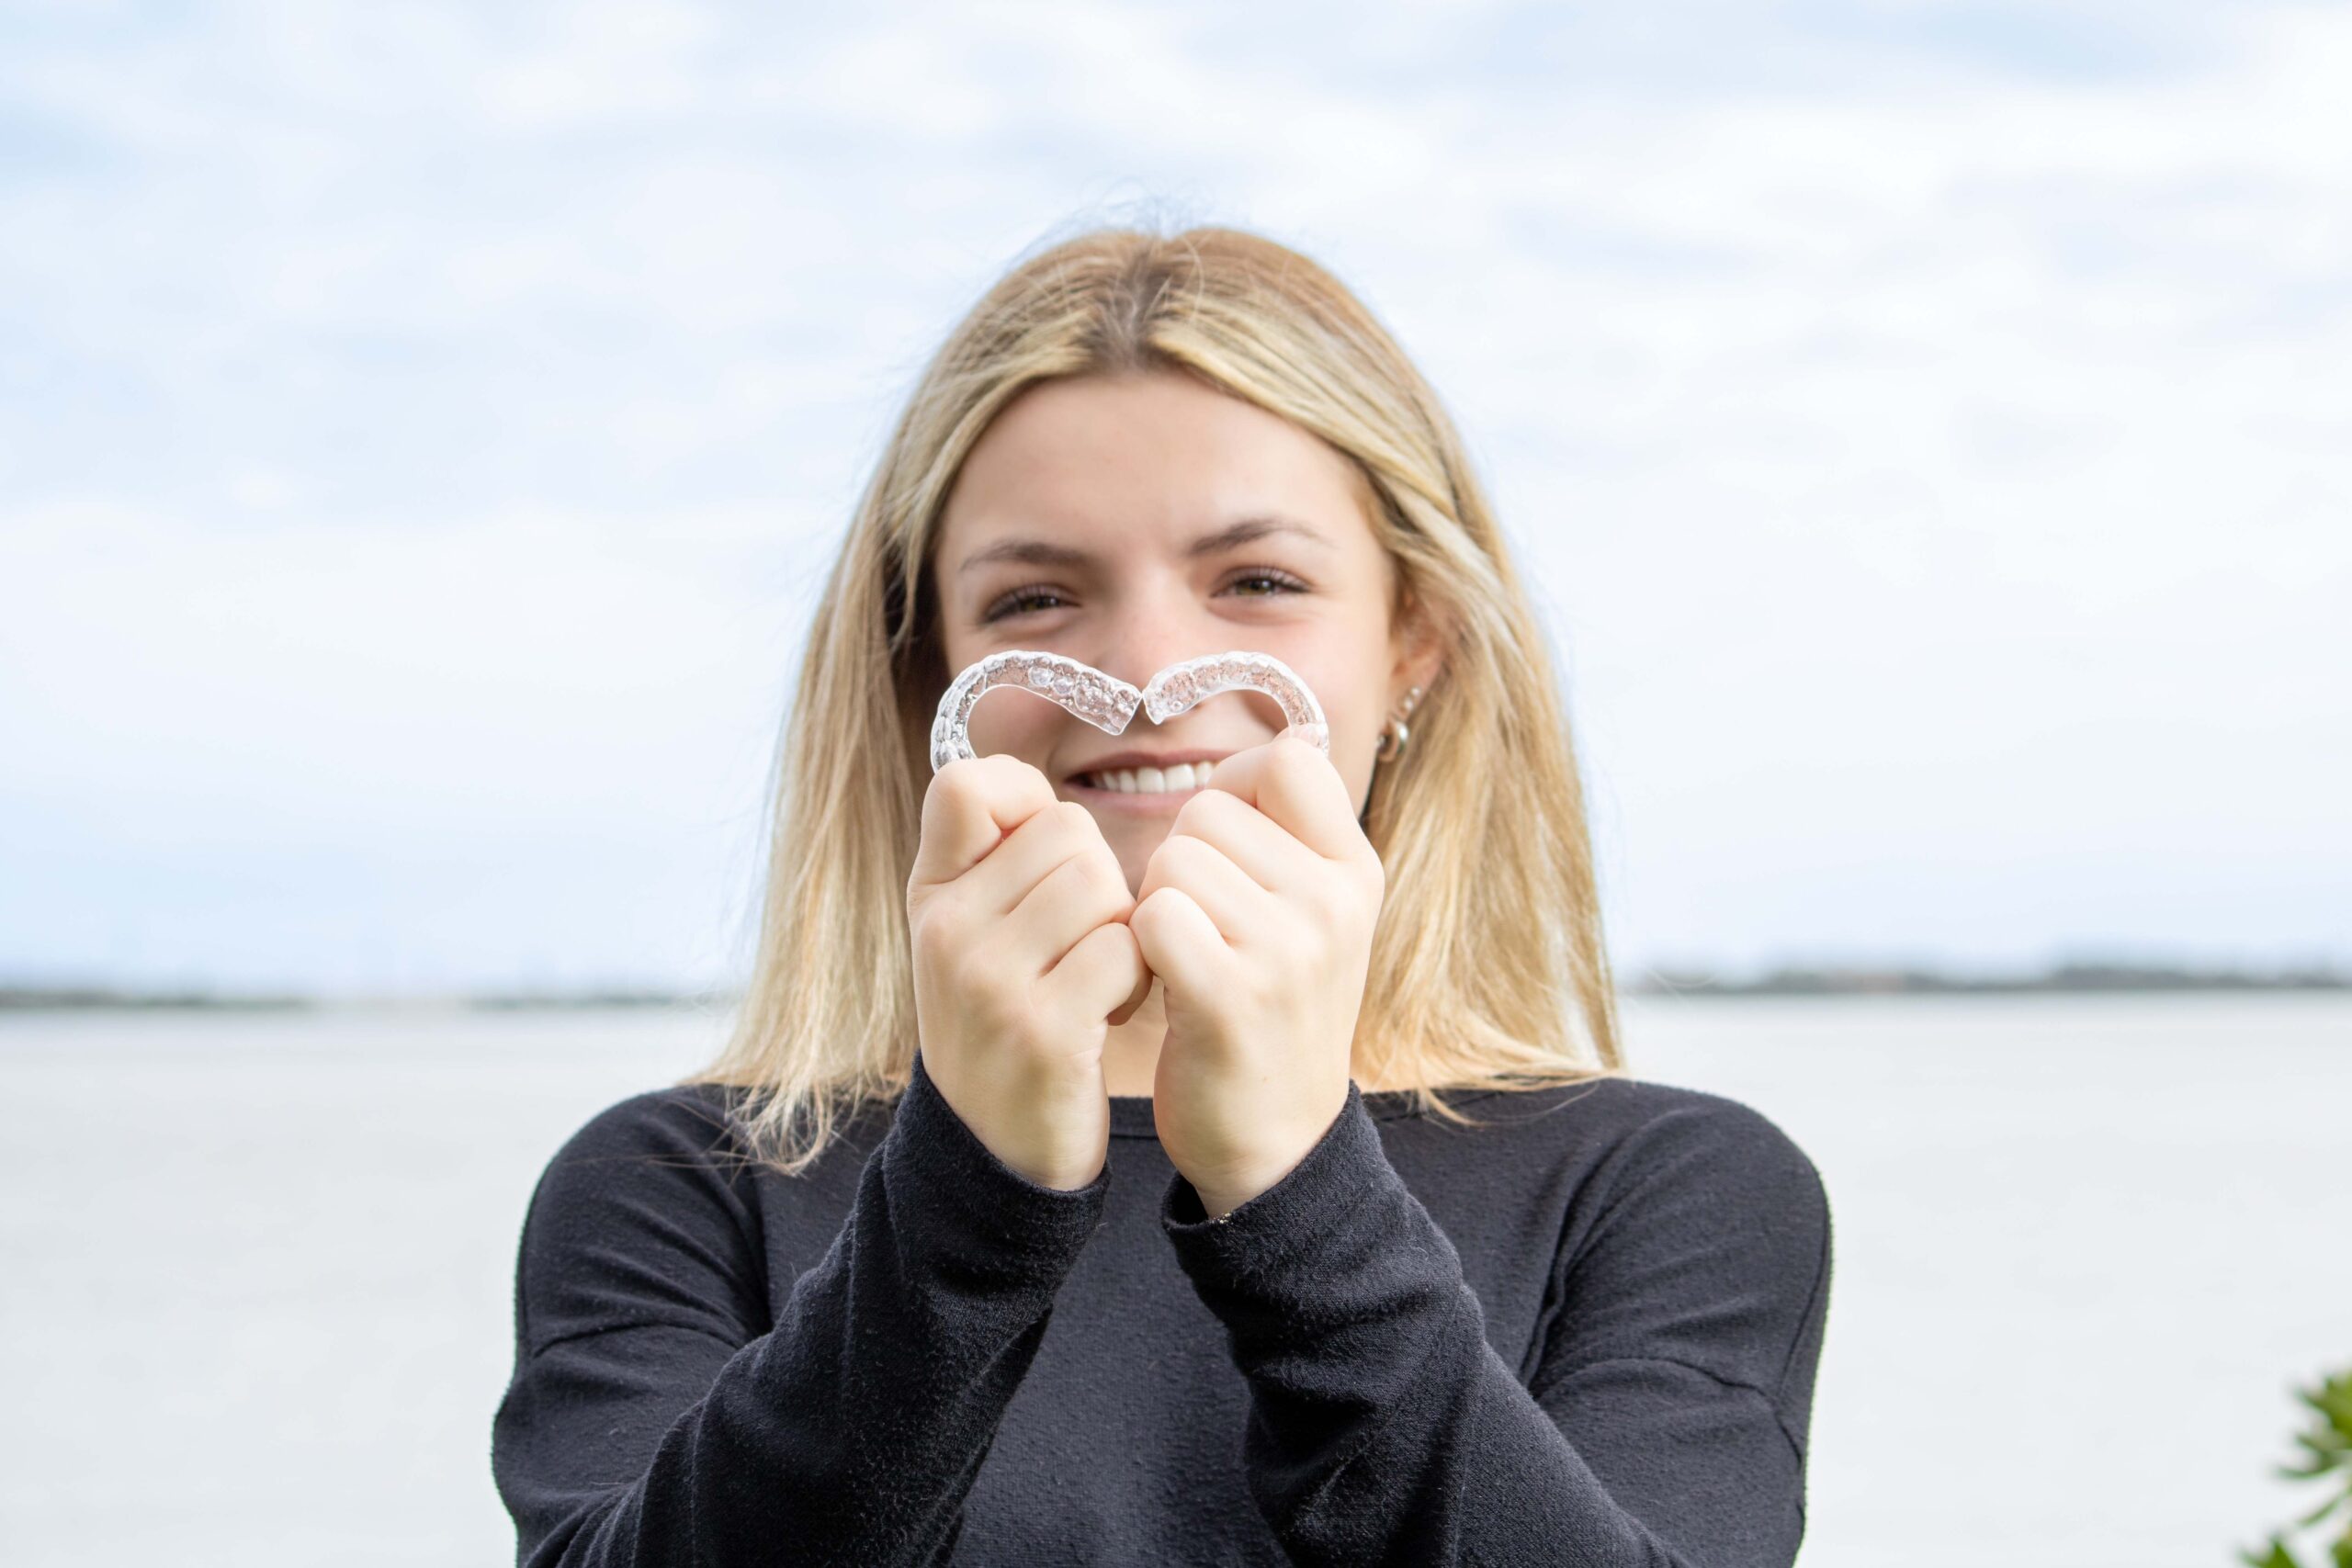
2327, 1452
2327, 1449
2277, 1557
2321, 1440
2333, 1400
2321, 1512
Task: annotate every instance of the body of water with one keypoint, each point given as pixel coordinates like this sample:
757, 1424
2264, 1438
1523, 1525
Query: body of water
256, 1270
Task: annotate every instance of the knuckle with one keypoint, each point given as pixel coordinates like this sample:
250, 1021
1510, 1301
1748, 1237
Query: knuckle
1022, 780
1102, 874
927, 930
944, 905
1179, 851
1338, 912
960, 779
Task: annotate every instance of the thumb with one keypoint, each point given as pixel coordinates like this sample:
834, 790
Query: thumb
1127, 1010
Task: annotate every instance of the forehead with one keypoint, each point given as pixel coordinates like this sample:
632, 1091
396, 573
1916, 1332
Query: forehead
1155, 453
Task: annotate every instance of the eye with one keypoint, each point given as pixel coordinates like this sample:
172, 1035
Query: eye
1026, 599
1282, 581
1016, 601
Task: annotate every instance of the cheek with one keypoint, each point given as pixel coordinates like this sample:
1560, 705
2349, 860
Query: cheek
1348, 683
1357, 709
1017, 723
1349, 688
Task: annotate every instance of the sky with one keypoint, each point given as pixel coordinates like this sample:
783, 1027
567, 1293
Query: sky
1926, 429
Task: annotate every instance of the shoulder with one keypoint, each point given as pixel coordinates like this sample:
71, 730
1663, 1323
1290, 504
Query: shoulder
702, 1138
1631, 1135
1675, 1162
1632, 1174
650, 1200
694, 1122
1669, 1133
1699, 1232
688, 1149
647, 1159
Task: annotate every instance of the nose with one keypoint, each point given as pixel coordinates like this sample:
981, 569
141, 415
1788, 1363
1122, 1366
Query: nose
1155, 629
1148, 636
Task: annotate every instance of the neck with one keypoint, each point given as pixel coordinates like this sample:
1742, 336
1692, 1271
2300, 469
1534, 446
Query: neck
1131, 1049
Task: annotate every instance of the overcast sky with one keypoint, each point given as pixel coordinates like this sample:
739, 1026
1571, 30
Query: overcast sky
422, 429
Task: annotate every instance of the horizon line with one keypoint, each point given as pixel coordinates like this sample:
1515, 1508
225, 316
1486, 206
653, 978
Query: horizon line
1813, 977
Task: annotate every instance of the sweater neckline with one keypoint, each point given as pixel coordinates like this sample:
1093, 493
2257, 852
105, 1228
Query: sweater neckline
1131, 1114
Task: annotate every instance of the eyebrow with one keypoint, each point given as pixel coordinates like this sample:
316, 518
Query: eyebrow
1045, 552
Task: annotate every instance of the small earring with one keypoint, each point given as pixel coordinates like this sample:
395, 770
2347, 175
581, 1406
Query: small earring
1395, 733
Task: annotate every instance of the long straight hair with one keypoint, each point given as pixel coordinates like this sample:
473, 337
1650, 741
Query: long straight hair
1488, 968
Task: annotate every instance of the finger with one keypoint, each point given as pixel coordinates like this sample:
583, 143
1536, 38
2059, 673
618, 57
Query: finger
1297, 786
1104, 976
969, 807
1265, 850
1005, 875
1178, 941
1077, 895
1127, 1010
1242, 910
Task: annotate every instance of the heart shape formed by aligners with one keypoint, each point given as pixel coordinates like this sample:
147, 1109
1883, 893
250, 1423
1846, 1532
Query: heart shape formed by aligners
1107, 702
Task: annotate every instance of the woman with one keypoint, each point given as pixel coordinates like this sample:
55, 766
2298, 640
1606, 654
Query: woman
1076, 1186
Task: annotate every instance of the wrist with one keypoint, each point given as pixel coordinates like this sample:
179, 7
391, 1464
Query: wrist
1218, 1207
1217, 1203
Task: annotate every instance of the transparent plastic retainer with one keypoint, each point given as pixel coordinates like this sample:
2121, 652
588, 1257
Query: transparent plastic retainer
1108, 703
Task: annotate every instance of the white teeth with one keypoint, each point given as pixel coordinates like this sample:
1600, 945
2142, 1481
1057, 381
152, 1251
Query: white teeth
1179, 779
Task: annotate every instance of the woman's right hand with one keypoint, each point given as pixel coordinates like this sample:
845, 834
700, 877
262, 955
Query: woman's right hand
1017, 910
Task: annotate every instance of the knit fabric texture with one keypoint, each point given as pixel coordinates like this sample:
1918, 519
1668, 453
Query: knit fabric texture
1585, 1331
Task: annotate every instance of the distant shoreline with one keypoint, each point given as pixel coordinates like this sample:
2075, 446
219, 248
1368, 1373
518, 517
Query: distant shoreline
100, 999
1788, 980
2070, 979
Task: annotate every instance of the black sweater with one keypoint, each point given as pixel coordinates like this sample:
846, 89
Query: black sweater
1584, 1333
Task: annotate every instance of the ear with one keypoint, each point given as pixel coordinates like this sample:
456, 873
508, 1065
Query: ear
1418, 640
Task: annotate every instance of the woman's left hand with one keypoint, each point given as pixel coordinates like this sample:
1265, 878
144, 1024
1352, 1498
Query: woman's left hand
1257, 914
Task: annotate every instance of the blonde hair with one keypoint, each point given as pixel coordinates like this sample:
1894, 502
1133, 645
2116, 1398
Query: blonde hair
1488, 968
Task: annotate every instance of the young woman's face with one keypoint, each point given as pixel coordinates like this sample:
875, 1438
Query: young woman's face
1131, 522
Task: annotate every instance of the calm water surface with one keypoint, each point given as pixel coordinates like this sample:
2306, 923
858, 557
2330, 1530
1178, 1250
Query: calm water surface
257, 1271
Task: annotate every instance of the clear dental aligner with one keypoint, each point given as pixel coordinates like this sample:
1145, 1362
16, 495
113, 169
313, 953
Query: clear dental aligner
1108, 702
1181, 686
1103, 701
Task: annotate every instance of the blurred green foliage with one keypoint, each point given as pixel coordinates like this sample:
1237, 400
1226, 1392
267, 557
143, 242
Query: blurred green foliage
2327, 1448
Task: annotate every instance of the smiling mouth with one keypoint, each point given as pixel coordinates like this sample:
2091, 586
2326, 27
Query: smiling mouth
1176, 779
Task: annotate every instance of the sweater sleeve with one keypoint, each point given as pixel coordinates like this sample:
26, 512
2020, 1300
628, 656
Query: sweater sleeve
656, 1416
1663, 1426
